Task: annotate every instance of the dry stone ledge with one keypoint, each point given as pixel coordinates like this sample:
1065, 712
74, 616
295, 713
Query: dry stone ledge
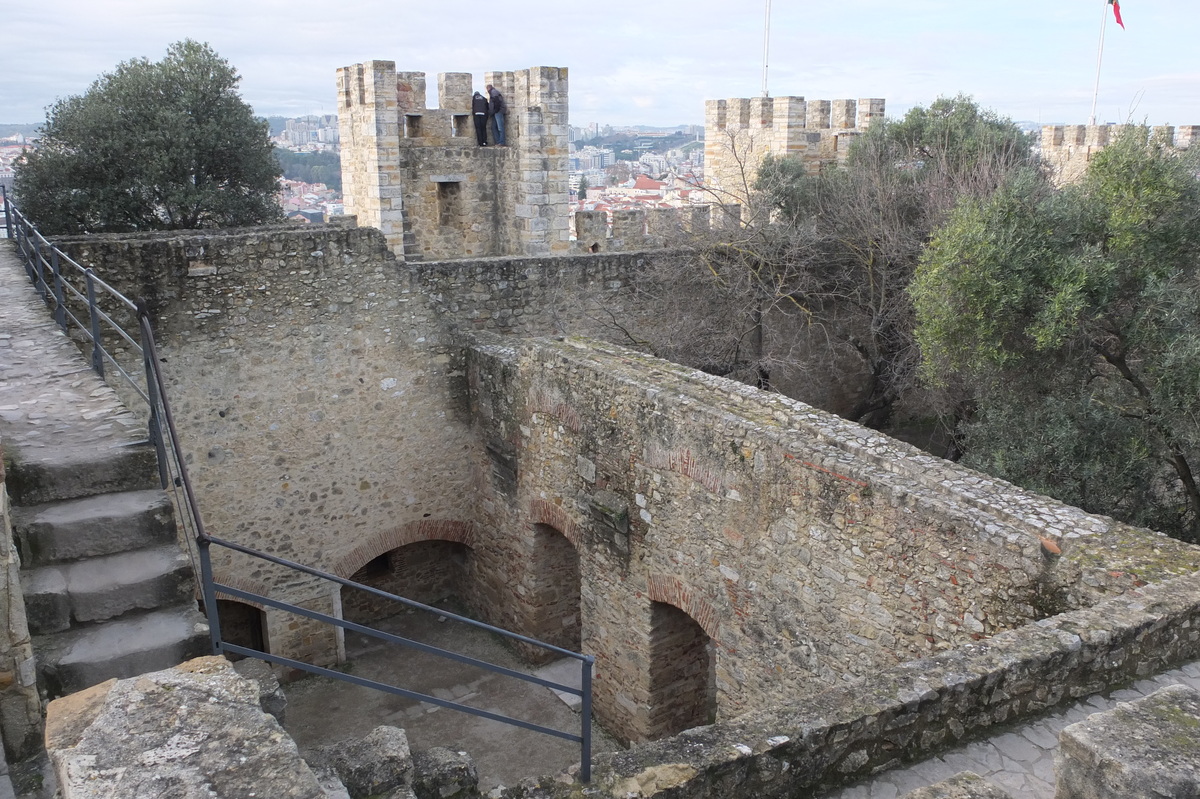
373, 765
1148, 749
443, 773
195, 730
271, 698
964, 785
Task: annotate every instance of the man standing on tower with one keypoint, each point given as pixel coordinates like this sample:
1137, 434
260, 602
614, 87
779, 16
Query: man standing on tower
497, 110
479, 109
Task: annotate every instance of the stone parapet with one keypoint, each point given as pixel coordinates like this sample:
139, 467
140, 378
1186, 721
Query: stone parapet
1146, 749
1068, 149
417, 174
909, 711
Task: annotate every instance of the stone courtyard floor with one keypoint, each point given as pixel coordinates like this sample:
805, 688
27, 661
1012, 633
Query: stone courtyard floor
322, 710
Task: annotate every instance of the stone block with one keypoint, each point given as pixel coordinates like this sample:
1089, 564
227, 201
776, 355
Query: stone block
271, 698
375, 764
1148, 749
133, 738
442, 773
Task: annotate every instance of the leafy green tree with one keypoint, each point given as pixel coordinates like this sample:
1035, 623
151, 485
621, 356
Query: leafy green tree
311, 167
847, 240
153, 145
1073, 316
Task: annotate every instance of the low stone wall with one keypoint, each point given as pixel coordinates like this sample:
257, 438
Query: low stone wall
910, 711
20, 707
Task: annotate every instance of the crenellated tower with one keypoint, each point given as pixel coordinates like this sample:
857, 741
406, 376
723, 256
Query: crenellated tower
740, 132
1068, 149
417, 174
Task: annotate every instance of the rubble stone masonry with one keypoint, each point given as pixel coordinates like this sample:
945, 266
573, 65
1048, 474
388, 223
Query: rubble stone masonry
334, 409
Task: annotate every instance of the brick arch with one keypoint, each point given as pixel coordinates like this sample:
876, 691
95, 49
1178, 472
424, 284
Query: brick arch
543, 512
671, 591
405, 534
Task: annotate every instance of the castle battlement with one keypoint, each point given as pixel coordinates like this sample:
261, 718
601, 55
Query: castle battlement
1068, 149
740, 132
417, 174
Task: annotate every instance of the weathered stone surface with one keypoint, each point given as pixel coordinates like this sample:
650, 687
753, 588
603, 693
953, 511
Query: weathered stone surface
1148, 749
965, 785
271, 697
377, 763
441, 773
192, 731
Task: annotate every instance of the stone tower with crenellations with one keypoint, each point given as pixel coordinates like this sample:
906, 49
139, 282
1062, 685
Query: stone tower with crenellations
1068, 149
417, 174
740, 132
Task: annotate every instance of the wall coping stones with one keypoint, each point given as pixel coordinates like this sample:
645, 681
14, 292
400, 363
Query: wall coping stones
1138, 750
907, 712
192, 730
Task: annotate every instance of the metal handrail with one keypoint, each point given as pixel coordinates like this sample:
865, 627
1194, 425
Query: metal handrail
40, 255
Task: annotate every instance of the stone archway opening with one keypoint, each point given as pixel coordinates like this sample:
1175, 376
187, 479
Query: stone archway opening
682, 673
431, 572
242, 624
553, 589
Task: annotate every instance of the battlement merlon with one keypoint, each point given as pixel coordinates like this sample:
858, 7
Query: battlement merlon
759, 113
1066, 136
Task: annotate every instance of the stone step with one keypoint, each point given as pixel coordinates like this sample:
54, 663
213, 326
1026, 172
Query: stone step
71, 472
93, 527
82, 657
60, 596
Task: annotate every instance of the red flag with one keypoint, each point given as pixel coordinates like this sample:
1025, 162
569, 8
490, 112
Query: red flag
1117, 12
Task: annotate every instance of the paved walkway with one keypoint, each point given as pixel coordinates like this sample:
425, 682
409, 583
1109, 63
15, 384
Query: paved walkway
50, 399
1019, 759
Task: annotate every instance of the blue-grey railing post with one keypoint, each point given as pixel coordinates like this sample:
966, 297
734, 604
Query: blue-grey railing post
585, 721
39, 276
94, 314
8, 227
60, 307
154, 424
209, 593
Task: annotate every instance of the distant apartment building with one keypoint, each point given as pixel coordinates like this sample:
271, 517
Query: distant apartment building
310, 132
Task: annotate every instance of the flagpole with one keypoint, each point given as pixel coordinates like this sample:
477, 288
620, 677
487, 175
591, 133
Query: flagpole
1099, 61
766, 45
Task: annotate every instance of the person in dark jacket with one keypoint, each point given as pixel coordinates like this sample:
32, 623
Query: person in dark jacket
497, 109
479, 110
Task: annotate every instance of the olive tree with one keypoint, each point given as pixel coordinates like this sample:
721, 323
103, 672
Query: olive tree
152, 145
1073, 316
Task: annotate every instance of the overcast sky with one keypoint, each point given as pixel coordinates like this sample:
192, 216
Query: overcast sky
652, 62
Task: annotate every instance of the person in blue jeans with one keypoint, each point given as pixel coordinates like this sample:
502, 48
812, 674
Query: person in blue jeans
497, 109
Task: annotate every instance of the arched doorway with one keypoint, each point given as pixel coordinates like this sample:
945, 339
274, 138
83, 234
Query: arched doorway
682, 673
242, 624
429, 572
553, 588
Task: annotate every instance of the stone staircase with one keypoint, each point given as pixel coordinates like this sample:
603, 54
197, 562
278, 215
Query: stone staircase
108, 588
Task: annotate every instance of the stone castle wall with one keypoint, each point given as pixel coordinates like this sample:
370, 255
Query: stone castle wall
811, 551
740, 133
330, 415
1068, 149
20, 705
319, 389
417, 174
